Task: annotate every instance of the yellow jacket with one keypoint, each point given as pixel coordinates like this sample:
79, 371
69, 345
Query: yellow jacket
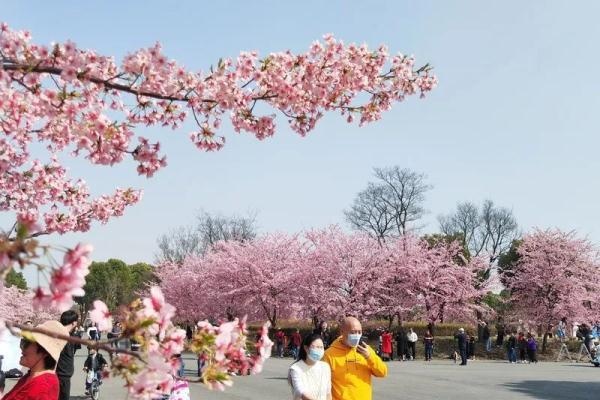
351, 372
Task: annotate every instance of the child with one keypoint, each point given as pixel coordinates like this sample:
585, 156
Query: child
93, 365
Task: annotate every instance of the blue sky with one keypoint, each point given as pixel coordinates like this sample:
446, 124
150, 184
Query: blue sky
514, 119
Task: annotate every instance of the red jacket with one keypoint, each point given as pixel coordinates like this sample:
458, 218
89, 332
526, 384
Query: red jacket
42, 387
296, 339
386, 343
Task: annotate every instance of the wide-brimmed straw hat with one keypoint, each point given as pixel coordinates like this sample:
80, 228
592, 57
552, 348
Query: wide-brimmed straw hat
51, 344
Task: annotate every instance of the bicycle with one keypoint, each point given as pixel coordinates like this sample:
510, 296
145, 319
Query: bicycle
94, 389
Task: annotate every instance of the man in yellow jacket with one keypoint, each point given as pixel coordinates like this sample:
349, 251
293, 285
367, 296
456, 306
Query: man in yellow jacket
352, 363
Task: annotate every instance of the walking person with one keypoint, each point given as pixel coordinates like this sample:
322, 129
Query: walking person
461, 338
65, 366
585, 333
353, 363
40, 355
309, 377
412, 343
428, 341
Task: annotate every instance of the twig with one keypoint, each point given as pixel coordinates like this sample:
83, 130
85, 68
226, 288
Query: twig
98, 345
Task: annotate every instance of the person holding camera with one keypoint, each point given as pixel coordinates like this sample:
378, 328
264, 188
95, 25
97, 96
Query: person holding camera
353, 363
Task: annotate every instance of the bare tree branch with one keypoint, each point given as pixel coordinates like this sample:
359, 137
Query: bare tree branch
389, 206
208, 230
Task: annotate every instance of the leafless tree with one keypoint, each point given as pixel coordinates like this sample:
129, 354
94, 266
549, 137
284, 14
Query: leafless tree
390, 205
179, 243
370, 213
488, 230
183, 241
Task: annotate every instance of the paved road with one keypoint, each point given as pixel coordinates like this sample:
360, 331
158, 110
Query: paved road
480, 380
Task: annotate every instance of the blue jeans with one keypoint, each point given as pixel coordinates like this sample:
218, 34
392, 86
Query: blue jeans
428, 352
488, 345
512, 355
295, 350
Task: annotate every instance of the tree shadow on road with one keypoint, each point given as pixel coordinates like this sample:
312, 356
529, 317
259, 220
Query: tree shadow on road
556, 390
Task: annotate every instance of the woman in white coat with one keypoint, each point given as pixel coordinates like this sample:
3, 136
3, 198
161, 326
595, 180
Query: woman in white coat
309, 377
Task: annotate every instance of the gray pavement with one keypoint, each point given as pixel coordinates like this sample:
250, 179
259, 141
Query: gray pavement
440, 379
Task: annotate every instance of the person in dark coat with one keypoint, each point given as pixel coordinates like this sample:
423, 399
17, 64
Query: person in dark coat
471, 347
500, 336
401, 344
94, 363
461, 337
585, 333
323, 330
65, 366
522, 344
487, 337
511, 348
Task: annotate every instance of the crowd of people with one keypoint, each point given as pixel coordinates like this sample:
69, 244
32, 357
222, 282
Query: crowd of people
325, 368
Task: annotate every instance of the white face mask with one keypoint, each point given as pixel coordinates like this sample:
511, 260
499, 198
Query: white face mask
353, 339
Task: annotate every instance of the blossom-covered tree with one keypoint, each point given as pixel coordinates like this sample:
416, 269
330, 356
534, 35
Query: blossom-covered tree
61, 99
433, 281
557, 275
16, 305
354, 264
261, 275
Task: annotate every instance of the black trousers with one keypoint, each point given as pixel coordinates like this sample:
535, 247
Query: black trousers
463, 356
65, 387
413, 349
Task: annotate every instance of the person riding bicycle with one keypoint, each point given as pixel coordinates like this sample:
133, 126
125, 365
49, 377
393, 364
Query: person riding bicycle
94, 363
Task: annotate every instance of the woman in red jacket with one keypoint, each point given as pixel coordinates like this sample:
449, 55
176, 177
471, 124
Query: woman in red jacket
386, 345
39, 355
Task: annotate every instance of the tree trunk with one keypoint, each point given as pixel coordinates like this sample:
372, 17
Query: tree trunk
390, 319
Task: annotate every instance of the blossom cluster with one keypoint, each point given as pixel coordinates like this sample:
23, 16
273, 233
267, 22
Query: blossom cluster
66, 281
223, 351
68, 98
151, 373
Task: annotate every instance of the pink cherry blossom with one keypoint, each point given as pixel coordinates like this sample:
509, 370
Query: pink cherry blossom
556, 276
64, 97
101, 316
66, 281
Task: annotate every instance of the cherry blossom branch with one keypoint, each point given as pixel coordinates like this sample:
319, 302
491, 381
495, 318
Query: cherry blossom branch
18, 329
